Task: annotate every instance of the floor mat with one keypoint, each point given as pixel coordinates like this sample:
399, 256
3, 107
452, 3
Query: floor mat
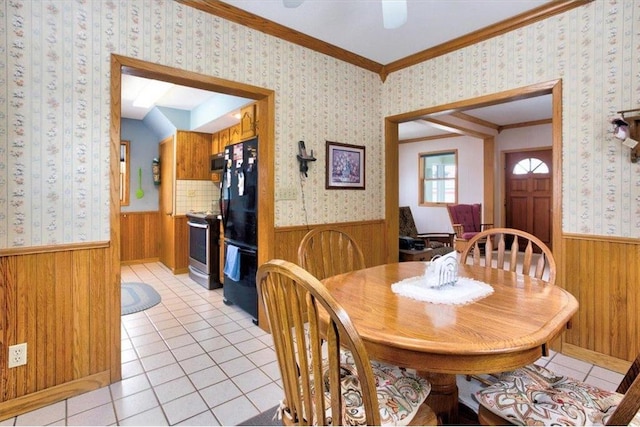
137, 296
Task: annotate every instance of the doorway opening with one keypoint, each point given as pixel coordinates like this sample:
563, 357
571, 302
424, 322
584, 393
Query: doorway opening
265, 125
554, 88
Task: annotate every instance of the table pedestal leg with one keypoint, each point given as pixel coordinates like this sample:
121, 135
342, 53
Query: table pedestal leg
443, 398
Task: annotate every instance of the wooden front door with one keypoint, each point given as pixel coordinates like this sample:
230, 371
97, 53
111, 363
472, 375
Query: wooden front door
166, 203
528, 189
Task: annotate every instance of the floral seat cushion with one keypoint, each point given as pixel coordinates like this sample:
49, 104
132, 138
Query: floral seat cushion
400, 393
536, 396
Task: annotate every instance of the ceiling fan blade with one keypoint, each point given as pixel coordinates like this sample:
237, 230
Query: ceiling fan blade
394, 13
290, 4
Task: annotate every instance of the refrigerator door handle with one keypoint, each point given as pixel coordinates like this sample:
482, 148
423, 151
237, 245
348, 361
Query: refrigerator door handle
224, 210
248, 251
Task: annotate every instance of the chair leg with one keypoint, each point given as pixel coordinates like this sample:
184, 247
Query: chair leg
479, 379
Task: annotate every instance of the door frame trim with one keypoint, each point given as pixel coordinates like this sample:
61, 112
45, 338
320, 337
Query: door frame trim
553, 87
265, 127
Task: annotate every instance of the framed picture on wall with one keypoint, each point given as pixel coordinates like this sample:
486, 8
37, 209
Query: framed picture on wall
345, 166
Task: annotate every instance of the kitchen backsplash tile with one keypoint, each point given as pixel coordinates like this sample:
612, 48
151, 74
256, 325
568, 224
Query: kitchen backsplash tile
196, 196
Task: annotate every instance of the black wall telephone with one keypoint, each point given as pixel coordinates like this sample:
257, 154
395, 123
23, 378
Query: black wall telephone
303, 158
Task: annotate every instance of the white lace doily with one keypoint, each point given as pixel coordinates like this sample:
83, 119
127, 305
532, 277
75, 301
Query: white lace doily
463, 292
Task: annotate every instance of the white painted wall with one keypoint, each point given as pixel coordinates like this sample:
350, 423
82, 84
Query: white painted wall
470, 179
470, 171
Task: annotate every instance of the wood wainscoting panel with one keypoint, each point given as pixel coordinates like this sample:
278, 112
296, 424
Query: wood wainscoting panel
603, 274
58, 303
370, 236
140, 236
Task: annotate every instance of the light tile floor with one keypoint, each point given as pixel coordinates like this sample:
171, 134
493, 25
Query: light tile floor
192, 360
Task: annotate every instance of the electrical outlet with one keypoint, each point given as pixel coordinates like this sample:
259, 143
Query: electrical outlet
191, 193
17, 355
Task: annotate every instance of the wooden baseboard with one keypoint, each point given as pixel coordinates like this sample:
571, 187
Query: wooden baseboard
602, 360
39, 399
139, 261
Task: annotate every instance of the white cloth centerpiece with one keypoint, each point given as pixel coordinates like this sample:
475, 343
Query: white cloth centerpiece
441, 285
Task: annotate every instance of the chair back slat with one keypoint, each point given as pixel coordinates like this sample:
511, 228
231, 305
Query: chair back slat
480, 251
526, 260
632, 373
325, 252
308, 328
628, 407
489, 252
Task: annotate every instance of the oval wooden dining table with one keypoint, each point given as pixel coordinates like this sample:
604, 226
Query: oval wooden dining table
502, 331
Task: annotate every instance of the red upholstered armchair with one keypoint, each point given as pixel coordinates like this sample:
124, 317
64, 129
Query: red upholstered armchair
466, 222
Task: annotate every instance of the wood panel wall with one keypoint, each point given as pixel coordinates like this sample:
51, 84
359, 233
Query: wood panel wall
604, 275
140, 236
181, 244
59, 303
370, 236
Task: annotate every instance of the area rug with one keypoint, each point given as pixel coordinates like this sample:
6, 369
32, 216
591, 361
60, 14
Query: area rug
137, 296
263, 419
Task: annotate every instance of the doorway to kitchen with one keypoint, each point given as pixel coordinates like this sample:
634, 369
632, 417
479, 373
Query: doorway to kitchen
265, 125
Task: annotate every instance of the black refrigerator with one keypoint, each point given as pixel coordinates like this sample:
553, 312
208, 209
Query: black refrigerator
239, 209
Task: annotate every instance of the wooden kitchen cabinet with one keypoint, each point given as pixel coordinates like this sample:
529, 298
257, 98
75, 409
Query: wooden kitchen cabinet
234, 134
248, 122
215, 143
192, 160
224, 138
181, 244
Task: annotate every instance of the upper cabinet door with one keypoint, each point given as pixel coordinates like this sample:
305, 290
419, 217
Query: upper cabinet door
215, 143
248, 122
224, 138
234, 134
193, 151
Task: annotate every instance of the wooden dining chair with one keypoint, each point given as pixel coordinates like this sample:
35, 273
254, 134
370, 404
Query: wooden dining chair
326, 251
517, 256
536, 396
480, 251
322, 383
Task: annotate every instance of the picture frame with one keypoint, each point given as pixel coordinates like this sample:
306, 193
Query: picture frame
345, 166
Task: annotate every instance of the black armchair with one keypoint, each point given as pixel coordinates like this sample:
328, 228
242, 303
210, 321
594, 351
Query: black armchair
431, 240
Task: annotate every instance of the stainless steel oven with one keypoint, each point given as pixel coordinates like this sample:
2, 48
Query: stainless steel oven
204, 250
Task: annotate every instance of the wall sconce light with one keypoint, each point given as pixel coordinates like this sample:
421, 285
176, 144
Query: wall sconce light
624, 132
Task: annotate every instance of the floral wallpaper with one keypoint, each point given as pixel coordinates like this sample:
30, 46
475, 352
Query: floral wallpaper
595, 50
54, 107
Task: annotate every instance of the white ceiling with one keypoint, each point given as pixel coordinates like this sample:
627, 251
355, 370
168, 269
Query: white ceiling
356, 26
180, 98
